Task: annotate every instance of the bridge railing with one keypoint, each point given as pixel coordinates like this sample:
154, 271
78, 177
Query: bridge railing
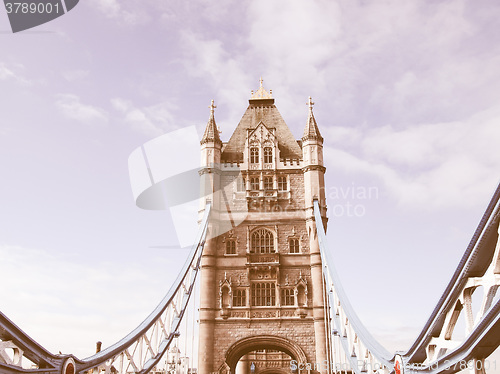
139, 351
439, 346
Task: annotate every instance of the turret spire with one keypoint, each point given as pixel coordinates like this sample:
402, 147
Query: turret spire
211, 132
311, 130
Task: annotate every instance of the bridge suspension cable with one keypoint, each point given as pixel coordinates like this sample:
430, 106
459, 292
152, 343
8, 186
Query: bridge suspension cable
140, 351
437, 348
362, 351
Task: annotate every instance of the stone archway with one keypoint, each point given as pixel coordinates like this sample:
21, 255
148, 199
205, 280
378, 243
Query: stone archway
252, 343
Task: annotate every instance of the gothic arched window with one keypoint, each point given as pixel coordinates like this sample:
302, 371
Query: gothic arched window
268, 155
254, 155
262, 241
231, 247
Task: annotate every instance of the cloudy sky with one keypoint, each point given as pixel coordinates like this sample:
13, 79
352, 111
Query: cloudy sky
407, 98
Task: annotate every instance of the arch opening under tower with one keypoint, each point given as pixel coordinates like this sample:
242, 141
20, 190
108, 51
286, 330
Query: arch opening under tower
263, 354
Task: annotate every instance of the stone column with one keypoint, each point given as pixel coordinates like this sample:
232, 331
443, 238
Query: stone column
207, 308
317, 297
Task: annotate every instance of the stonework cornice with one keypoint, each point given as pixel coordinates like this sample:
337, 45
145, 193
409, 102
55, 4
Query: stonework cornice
314, 167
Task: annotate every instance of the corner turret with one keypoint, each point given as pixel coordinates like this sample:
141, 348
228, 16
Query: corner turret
312, 152
211, 144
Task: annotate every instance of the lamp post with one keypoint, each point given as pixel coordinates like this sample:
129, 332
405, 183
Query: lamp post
173, 360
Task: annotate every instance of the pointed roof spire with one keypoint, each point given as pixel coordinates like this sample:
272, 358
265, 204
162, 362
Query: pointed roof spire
311, 130
211, 131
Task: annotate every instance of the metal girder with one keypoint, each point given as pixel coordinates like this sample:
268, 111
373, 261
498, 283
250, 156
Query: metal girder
438, 348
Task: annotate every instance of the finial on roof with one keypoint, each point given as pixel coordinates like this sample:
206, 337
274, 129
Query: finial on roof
310, 103
212, 107
261, 93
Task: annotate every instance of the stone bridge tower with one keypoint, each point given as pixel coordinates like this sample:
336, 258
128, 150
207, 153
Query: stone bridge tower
261, 280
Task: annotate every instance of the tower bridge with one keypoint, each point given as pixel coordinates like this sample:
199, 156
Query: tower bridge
270, 299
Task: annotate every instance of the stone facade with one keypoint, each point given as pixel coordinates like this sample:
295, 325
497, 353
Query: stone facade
261, 281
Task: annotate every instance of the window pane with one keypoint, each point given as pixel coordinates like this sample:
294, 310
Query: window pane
263, 294
254, 183
268, 183
262, 241
287, 297
231, 247
239, 298
268, 155
254, 155
282, 184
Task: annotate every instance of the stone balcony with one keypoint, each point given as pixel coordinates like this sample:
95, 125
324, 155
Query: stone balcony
265, 259
268, 194
271, 196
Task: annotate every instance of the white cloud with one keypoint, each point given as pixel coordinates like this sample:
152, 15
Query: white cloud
399, 69
293, 40
71, 106
12, 72
95, 301
6, 73
75, 75
225, 72
412, 62
399, 60
130, 13
417, 105
152, 120
121, 105
430, 165
287, 50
